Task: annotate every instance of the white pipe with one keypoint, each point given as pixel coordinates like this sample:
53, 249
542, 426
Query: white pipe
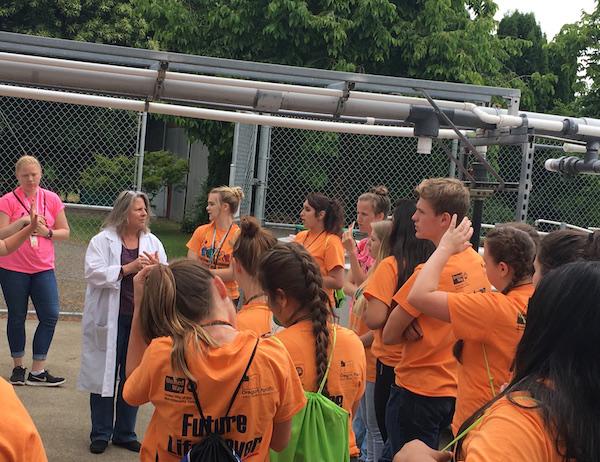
577, 148
99, 208
213, 114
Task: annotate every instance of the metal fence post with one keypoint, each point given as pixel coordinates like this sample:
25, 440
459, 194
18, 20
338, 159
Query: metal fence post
262, 172
140, 155
525, 180
452, 168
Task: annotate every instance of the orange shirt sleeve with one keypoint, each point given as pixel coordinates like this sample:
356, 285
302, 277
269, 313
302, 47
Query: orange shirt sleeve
473, 316
138, 385
510, 433
291, 393
19, 439
195, 242
334, 253
382, 284
401, 297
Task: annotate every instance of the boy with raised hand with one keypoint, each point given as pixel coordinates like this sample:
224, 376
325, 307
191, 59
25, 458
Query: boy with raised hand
421, 402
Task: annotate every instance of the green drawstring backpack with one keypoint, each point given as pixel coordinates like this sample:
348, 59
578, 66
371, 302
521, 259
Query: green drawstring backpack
320, 430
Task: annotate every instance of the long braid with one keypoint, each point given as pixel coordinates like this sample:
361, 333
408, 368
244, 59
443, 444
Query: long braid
318, 303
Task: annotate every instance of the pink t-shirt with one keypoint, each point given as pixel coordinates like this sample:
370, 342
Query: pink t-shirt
27, 259
363, 255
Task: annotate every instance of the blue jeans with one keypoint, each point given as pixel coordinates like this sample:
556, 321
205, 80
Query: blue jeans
374, 438
104, 423
41, 287
410, 416
359, 427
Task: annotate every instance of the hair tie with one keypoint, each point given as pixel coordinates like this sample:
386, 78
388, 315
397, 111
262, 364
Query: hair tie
590, 237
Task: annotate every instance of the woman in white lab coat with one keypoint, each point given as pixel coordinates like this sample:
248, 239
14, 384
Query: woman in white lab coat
123, 247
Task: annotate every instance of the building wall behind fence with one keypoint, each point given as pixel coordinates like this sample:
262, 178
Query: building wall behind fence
67, 140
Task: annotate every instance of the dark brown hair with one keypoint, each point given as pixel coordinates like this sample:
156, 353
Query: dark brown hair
252, 242
334, 213
291, 268
515, 248
565, 246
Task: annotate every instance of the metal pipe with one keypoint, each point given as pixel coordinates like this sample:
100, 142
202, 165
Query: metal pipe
211, 114
142, 147
264, 149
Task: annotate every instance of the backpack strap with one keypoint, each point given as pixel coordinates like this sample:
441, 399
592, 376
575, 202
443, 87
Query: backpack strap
322, 385
235, 393
193, 386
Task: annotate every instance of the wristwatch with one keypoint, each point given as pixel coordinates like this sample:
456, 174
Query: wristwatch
50, 234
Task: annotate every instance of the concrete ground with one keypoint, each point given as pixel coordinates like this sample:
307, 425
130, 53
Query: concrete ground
62, 414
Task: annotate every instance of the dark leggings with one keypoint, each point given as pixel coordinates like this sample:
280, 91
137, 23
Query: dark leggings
384, 379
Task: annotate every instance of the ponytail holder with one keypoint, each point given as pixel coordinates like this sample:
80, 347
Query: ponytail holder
590, 238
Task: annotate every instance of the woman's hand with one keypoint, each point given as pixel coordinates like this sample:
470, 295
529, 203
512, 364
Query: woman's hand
348, 239
457, 238
137, 265
413, 332
417, 451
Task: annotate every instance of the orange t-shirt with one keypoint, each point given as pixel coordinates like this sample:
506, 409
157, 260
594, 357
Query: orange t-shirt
271, 393
382, 286
360, 328
428, 367
214, 250
346, 379
255, 316
326, 249
510, 432
19, 439
494, 322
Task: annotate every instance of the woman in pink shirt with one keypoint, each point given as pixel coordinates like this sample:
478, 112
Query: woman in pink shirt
29, 271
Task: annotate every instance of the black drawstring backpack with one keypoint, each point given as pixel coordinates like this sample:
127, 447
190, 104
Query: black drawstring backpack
213, 447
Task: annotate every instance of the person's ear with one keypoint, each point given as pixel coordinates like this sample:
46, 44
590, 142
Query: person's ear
279, 299
236, 266
445, 219
220, 287
321, 215
503, 268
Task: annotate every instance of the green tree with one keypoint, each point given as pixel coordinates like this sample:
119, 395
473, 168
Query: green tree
116, 22
448, 40
163, 169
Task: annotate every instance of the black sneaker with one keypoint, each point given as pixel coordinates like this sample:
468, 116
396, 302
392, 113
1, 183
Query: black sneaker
98, 446
45, 379
18, 376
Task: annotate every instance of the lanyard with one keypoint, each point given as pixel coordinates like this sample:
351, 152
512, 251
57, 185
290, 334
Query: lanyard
307, 246
215, 258
36, 196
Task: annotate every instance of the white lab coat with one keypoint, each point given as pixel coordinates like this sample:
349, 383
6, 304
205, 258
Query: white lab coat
101, 309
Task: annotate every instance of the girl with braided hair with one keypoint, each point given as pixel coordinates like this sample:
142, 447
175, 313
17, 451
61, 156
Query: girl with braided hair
294, 287
488, 324
323, 219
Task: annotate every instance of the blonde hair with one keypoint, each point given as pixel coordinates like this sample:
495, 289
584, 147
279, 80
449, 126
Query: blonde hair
382, 230
117, 218
231, 196
27, 160
176, 298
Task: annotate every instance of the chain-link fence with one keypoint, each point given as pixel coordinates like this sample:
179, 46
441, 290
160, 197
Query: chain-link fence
560, 198
88, 156
343, 166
